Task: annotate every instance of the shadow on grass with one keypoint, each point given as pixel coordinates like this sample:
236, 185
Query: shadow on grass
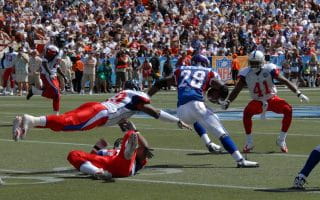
283, 190
203, 166
73, 171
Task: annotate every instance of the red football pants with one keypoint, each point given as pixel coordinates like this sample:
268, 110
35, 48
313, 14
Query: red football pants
51, 90
85, 117
7, 74
117, 165
275, 104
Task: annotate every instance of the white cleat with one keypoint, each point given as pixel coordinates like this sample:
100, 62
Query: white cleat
131, 146
247, 164
214, 148
17, 128
248, 148
283, 146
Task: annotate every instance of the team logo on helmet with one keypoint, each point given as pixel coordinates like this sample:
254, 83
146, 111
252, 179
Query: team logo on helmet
256, 60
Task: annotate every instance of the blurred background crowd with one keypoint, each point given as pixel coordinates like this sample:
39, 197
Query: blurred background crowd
105, 42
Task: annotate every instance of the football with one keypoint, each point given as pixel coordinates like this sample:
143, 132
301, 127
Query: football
213, 95
216, 95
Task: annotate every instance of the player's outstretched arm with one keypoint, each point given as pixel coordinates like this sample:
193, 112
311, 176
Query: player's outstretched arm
234, 93
164, 82
164, 116
293, 88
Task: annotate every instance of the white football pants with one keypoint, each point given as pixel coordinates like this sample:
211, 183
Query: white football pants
197, 111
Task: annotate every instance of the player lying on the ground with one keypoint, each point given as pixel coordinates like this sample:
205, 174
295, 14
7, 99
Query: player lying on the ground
192, 82
123, 160
312, 161
259, 77
115, 110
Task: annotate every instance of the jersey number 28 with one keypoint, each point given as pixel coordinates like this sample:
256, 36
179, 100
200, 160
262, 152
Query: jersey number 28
194, 78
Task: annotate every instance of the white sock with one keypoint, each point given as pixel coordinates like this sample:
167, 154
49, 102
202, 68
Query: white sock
205, 138
237, 155
249, 138
37, 121
88, 168
282, 136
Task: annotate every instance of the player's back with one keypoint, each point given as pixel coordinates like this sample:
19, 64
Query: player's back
192, 82
124, 104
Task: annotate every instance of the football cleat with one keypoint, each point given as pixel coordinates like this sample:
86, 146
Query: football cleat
248, 148
103, 175
214, 148
131, 146
299, 182
30, 93
16, 128
246, 164
283, 146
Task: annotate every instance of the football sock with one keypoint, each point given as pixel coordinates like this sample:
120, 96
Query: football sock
88, 168
36, 121
205, 138
228, 144
249, 138
312, 161
282, 136
199, 129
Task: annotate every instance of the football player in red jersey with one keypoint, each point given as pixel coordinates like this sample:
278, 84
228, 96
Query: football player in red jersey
123, 161
48, 74
115, 110
259, 77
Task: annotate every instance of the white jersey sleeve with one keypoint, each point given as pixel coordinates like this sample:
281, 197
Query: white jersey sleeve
125, 104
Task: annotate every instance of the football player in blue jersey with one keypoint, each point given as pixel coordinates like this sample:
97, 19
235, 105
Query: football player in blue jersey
312, 161
192, 82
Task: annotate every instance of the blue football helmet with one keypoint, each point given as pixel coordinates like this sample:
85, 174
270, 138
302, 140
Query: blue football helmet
200, 60
131, 85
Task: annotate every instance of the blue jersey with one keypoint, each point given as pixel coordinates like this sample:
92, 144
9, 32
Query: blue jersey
192, 82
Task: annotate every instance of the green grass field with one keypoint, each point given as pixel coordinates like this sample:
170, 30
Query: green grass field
36, 168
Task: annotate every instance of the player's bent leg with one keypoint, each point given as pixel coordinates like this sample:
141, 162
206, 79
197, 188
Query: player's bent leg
253, 108
212, 147
280, 106
131, 146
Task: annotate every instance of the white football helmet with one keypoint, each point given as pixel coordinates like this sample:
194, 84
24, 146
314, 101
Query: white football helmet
256, 60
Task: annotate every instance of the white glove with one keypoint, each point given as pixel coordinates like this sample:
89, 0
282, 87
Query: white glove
303, 98
52, 76
224, 104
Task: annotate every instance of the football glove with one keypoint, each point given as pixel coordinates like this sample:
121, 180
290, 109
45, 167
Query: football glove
182, 125
148, 152
303, 98
224, 104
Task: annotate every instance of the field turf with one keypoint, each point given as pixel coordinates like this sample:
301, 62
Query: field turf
36, 168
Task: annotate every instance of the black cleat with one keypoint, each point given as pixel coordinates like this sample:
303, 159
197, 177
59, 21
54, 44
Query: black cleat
30, 94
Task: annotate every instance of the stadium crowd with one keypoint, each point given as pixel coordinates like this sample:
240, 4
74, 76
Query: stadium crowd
98, 38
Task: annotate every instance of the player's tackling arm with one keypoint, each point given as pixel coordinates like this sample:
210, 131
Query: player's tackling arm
237, 89
293, 88
233, 95
164, 116
164, 82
